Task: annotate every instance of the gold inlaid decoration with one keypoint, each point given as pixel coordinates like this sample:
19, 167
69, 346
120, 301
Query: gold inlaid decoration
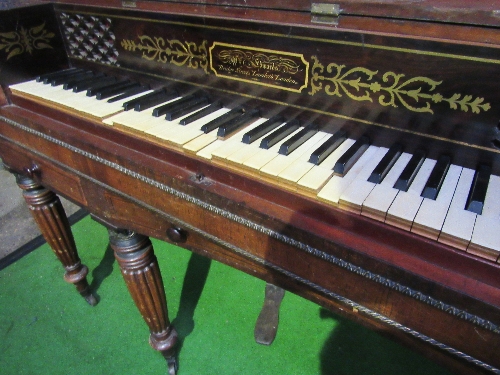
17, 42
170, 51
282, 70
415, 94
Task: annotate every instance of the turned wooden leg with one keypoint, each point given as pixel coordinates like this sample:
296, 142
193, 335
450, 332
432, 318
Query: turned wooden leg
49, 214
135, 255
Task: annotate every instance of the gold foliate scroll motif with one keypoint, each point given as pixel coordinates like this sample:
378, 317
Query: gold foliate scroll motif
415, 94
18, 42
170, 51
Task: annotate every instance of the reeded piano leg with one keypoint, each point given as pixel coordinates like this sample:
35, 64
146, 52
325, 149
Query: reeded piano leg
49, 214
135, 255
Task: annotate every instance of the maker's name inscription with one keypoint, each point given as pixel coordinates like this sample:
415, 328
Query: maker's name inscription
283, 70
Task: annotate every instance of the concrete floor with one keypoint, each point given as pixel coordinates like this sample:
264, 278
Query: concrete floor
17, 227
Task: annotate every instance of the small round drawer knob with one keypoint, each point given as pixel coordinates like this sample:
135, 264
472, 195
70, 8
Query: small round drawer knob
176, 235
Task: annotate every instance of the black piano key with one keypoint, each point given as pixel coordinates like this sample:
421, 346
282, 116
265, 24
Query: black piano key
351, 156
42, 77
228, 116
406, 177
201, 113
48, 76
47, 81
262, 129
83, 81
435, 181
119, 88
163, 109
197, 103
331, 144
128, 93
298, 139
88, 83
73, 77
385, 165
94, 89
236, 123
477, 193
279, 134
131, 103
70, 83
155, 100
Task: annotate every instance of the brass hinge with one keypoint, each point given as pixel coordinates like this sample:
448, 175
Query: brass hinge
325, 13
129, 4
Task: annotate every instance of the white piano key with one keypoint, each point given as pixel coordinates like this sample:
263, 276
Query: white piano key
162, 131
73, 100
200, 142
32, 88
234, 139
246, 151
25, 87
485, 240
405, 206
430, 217
47, 92
145, 119
316, 178
334, 188
126, 118
289, 176
379, 200
353, 197
193, 130
280, 162
234, 144
206, 152
160, 126
459, 223
264, 156
58, 93
293, 173
140, 120
102, 109
66, 98
109, 119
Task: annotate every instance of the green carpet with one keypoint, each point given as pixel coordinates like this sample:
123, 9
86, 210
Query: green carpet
47, 328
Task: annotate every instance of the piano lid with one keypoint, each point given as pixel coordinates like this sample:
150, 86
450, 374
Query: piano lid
477, 12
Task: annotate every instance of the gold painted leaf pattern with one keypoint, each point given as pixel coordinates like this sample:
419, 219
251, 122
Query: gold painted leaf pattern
16, 43
416, 94
170, 51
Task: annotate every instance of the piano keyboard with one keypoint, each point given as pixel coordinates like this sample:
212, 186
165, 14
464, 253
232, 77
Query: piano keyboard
433, 198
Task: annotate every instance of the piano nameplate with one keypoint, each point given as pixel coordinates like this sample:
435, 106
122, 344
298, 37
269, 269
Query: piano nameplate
278, 69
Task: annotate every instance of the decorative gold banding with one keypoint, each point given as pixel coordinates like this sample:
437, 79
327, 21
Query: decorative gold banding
170, 51
18, 42
415, 94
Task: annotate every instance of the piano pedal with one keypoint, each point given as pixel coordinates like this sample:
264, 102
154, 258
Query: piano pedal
267, 322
